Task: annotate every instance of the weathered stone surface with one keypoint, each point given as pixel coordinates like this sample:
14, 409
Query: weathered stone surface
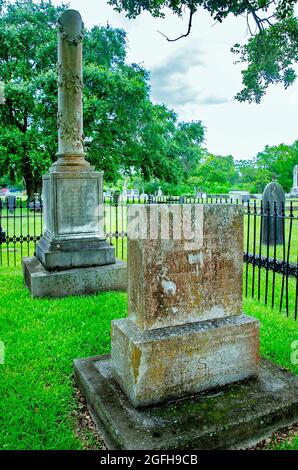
81, 281
156, 365
73, 235
273, 227
181, 280
70, 93
76, 253
232, 417
72, 191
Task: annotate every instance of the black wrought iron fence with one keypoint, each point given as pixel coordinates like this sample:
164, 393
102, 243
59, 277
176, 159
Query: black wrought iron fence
271, 255
270, 240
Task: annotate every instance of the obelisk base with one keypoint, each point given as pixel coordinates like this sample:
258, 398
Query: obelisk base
79, 281
168, 363
74, 221
73, 257
74, 253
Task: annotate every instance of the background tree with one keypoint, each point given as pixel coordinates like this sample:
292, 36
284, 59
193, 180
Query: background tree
124, 132
251, 177
271, 51
215, 173
278, 162
27, 58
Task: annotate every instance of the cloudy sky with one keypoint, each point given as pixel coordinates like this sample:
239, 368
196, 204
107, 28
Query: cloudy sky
196, 76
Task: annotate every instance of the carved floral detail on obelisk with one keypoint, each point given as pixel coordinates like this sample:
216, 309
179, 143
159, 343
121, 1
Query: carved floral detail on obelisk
71, 81
70, 90
73, 40
70, 131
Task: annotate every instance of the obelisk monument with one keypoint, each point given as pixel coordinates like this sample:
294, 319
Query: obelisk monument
72, 191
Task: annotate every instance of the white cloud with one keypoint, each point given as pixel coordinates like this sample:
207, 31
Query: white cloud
171, 81
197, 77
214, 99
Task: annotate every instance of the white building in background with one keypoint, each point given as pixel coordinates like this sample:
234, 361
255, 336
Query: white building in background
294, 191
239, 195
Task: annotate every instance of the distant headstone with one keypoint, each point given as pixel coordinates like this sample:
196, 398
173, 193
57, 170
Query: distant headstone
36, 203
116, 195
159, 192
11, 202
272, 227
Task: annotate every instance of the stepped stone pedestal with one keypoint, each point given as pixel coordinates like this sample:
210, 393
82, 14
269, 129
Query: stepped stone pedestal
73, 257
184, 370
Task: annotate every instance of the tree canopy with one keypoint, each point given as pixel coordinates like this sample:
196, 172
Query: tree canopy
271, 51
124, 132
219, 174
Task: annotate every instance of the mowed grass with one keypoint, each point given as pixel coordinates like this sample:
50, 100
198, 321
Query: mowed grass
43, 336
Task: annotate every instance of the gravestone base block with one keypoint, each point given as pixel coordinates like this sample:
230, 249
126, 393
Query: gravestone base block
74, 253
74, 221
153, 366
79, 281
231, 417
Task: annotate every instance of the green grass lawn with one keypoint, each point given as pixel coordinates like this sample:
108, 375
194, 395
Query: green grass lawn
42, 337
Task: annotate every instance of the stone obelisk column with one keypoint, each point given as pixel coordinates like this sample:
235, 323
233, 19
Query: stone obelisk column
70, 94
72, 191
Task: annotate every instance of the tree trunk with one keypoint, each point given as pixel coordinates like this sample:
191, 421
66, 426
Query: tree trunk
33, 186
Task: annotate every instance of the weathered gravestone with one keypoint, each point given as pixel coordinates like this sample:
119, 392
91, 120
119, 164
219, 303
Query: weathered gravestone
170, 345
273, 224
73, 256
294, 191
11, 202
185, 333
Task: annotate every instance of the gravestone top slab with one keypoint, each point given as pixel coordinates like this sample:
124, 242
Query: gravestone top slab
174, 279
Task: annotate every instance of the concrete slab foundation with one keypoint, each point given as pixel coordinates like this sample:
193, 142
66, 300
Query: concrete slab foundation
79, 281
231, 417
155, 365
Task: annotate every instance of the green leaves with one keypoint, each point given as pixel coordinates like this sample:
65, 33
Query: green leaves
215, 173
124, 132
269, 54
27, 57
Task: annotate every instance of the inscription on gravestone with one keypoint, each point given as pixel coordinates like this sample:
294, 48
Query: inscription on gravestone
77, 206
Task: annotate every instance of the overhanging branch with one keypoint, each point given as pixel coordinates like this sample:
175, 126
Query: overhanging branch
191, 13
